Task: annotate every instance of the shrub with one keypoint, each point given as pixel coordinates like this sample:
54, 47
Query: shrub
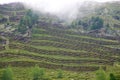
101, 75
60, 74
112, 77
7, 74
38, 74
96, 23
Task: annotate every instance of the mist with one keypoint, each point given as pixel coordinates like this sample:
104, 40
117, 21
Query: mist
62, 8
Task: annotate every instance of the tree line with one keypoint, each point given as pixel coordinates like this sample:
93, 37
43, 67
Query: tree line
39, 74
27, 21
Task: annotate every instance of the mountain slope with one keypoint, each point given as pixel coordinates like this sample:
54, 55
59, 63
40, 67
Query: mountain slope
53, 45
92, 15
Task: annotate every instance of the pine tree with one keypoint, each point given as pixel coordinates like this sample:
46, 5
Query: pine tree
100, 74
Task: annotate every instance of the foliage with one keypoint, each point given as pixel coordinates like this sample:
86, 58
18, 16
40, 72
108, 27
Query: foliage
60, 74
38, 74
32, 18
27, 21
7, 74
100, 74
90, 24
96, 23
22, 26
112, 77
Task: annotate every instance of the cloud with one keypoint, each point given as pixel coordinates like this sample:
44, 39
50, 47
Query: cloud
59, 7
51, 1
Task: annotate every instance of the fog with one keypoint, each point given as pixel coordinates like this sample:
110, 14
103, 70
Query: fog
66, 8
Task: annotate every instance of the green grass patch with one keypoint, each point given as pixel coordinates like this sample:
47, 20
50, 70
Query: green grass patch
41, 35
24, 73
18, 52
7, 59
88, 37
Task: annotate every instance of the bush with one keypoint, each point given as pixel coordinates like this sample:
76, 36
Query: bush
96, 23
101, 75
38, 74
7, 74
27, 21
112, 77
60, 74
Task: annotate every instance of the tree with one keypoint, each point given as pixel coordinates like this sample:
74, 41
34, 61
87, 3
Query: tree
22, 27
38, 74
100, 74
27, 21
33, 18
112, 77
7, 74
96, 23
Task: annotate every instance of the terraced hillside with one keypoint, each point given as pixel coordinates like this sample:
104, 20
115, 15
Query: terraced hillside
53, 47
58, 48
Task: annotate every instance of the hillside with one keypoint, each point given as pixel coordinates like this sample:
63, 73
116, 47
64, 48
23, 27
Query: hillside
52, 45
106, 15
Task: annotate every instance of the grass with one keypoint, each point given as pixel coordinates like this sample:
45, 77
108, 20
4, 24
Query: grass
35, 30
51, 48
27, 53
40, 35
88, 37
24, 73
57, 42
25, 56
113, 46
58, 37
43, 41
12, 59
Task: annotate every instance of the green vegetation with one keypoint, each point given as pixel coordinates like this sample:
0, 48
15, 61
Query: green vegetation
38, 74
60, 74
101, 75
92, 24
53, 52
96, 23
112, 77
7, 74
27, 21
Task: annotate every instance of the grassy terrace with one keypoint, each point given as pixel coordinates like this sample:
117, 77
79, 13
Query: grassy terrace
56, 48
47, 48
15, 53
65, 50
49, 53
55, 51
60, 35
92, 38
74, 45
12, 59
68, 45
54, 31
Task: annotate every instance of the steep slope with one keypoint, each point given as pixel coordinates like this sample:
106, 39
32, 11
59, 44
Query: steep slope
104, 17
55, 46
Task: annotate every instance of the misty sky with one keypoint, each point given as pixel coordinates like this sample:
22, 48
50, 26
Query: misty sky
68, 7
51, 1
